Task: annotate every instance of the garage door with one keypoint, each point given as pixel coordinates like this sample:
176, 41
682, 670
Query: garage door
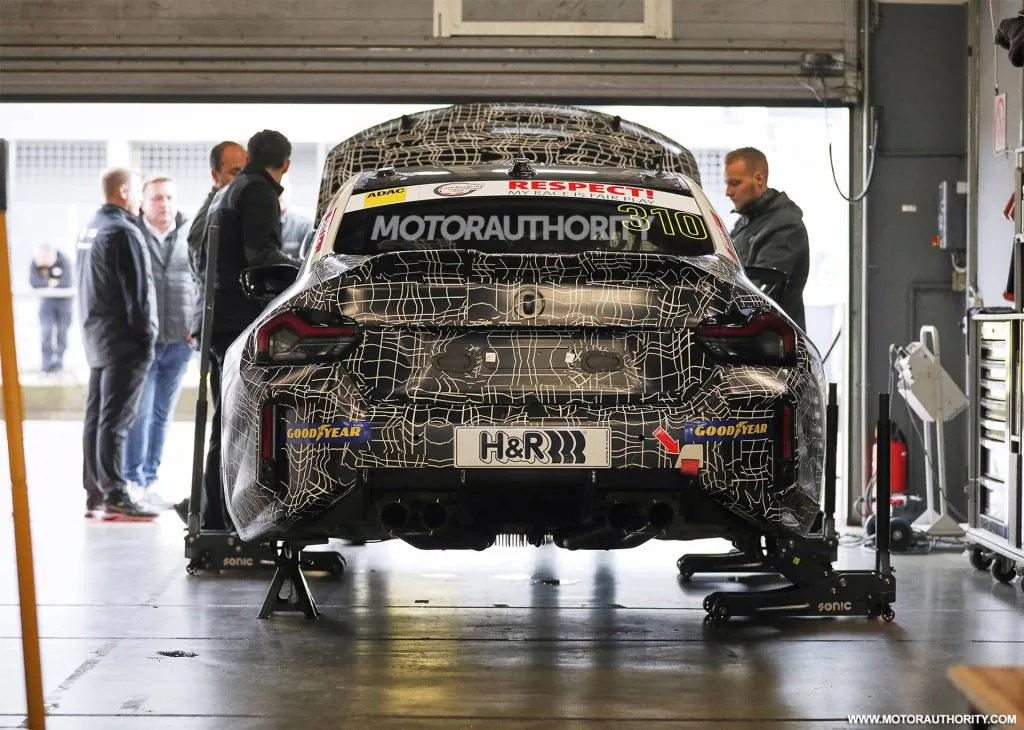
365, 50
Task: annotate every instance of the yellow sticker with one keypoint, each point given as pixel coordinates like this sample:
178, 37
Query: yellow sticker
384, 197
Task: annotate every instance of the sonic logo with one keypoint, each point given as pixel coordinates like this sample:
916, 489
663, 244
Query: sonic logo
339, 432
726, 430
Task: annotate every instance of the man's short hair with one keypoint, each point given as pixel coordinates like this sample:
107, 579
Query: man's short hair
752, 158
269, 148
217, 153
156, 179
113, 178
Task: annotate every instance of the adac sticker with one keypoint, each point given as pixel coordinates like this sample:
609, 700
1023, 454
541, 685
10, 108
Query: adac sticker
338, 432
384, 197
729, 429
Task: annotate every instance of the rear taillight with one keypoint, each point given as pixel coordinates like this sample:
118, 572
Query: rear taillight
764, 339
297, 337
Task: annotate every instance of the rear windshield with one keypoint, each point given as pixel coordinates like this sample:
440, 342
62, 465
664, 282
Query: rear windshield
523, 221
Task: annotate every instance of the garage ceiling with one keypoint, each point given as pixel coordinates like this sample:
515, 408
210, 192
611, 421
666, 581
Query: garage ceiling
402, 50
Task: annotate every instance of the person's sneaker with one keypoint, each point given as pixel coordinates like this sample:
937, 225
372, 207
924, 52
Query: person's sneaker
123, 509
153, 497
93, 506
181, 509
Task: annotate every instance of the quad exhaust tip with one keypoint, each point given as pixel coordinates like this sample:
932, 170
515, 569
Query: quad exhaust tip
394, 515
434, 515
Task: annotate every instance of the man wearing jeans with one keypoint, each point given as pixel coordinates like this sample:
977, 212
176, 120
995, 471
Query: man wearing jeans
164, 231
117, 307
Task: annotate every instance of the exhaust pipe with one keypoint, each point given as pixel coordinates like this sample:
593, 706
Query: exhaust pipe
394, 515
660, 515
434, 515
621, 515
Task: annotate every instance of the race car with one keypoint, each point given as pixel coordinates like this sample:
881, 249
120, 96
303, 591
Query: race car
521, 352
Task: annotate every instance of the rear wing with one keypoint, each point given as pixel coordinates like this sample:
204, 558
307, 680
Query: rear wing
473, 134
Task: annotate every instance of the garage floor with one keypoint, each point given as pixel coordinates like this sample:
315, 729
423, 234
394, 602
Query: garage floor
507, 638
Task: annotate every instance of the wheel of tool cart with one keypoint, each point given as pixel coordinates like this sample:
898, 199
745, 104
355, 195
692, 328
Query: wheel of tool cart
721, 612
900, 535
1003, 569
708, 604
980, 559
888, 614
200, 562
338, 565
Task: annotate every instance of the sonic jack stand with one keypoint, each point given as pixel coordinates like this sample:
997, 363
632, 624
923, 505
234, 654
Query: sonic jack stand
817, 589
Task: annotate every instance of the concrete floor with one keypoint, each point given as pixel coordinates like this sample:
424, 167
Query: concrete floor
413, 639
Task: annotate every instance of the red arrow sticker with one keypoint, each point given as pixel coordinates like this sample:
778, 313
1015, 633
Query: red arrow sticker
670, 444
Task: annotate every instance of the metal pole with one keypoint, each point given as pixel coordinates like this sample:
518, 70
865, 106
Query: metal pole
13, 416
831, 439
882, 487
206, 333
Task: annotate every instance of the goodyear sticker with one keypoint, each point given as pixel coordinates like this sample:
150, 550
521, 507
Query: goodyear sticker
384, 197
339, 432
729, 429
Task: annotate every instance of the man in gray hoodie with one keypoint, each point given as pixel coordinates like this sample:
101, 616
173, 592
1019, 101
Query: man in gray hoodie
770, 232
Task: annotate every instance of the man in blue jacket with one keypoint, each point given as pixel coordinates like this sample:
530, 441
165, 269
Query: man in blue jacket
770, 231
118, 312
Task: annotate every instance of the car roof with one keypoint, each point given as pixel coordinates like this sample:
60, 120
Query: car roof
671, 182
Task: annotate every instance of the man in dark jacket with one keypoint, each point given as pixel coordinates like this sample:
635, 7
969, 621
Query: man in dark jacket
163, 229
770, 232
226, 161
117, 306
50, 273
248, 219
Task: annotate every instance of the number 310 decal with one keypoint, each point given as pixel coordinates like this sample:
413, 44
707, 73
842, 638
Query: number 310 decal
673, 222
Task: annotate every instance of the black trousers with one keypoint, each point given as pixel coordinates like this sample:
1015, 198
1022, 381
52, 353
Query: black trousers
213, 513
110, 409
54, 320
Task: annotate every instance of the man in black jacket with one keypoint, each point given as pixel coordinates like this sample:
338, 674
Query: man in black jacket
226, 162
50, 273
119, 327
248, 219
770, 231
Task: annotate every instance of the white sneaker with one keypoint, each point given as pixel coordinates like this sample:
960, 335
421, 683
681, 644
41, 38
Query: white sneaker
153, 497
136, 492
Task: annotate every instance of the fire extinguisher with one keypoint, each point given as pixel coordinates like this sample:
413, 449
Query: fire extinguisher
897, 466
900, 531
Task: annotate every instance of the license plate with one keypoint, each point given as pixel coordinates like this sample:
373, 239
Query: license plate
560, 448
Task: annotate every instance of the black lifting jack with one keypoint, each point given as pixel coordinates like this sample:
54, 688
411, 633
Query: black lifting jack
817, 588
219, 550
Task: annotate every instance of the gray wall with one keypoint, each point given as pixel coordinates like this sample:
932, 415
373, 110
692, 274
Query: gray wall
995, 172
919, 79
389, 49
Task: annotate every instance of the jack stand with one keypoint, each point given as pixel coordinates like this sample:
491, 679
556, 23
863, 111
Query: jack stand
290, 562
818, 589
